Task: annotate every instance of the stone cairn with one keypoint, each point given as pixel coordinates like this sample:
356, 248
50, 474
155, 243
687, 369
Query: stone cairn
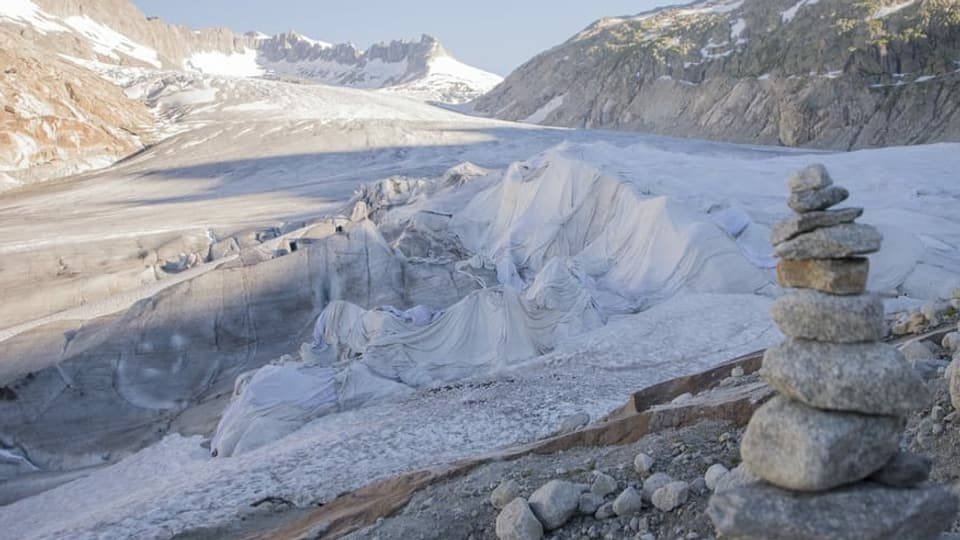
825, 450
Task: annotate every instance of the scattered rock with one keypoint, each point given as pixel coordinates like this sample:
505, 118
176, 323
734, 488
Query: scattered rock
916, 323
905, 469
865, 510
739, 476
628, 503
555, 503
517, 522
603, 485
837, 242
714, 475
589, 504
797, 447
871, 378
643, 464
605, 512
801, 223
573, 423
670, 496
835, 276
917, 350
955, 386
817, 199
655, 482
809, 178
951, 342
935, 311
817, 316
504, 494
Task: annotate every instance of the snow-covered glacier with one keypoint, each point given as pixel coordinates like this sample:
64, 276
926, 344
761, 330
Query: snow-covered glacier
557, 270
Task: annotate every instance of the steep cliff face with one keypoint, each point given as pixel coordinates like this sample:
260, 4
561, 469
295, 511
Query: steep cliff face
819, 73
57, 118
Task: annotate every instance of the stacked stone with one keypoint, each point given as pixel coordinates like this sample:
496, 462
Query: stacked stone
826, 448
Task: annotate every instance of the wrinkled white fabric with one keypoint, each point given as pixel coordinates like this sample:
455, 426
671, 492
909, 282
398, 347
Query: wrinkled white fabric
271, 402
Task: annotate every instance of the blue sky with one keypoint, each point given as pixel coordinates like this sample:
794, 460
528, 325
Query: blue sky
496, 35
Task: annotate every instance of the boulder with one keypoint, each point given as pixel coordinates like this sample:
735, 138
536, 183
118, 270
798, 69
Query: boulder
506, 492
643, 464
834, 276
812, 177
605, 511
871, 378
866, 511
555, 503
817, 199
670, 496
817, 316
737, 477
653, 483
837, 242
905, 469
955, 385
798, 447
628, 503
801, 223
517, 522
935, 311
589, 503
714, 474
603, 485
951, 342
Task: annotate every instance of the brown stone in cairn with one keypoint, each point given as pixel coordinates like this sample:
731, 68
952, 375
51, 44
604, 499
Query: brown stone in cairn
834, 276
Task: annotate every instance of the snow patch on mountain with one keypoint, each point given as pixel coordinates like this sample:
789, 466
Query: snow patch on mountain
25, 12
886, 11
109, 42
791, 12
217, 63
543, 112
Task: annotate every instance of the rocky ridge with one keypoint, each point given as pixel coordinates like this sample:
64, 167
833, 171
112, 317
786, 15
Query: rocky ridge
830, 74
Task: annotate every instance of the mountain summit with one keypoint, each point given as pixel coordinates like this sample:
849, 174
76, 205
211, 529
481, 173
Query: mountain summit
116, 32
835, 74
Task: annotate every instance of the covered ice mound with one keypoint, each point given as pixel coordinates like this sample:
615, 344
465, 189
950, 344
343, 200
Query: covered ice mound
489, 330
638, 250
370, 355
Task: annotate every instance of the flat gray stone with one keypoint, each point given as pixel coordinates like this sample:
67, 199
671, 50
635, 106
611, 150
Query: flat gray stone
808, 314
837, 242
865, 511
798, 447
817, 199
555, 502
905, 469
871, 378
812, 177
517, 522
801, 223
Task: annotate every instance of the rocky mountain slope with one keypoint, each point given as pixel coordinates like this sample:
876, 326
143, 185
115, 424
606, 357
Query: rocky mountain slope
837, 74
82, 122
